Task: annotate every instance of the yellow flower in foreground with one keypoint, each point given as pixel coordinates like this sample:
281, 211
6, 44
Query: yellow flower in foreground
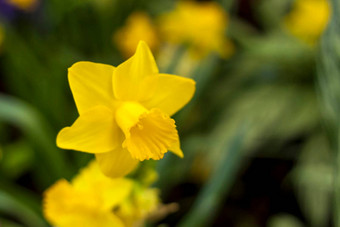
94, 200
202, 25
138, 27
308, 19
23, 4
125, 111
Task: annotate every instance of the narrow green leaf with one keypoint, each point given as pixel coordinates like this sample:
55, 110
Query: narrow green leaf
13, 207
26, 118
8, 223
214, 192
329, 85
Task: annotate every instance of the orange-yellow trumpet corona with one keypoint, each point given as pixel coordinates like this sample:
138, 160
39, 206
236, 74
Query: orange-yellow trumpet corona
125, 111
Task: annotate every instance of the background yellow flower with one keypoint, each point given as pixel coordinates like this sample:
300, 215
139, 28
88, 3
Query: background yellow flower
92, 199
201, 25
308, 19
138, 26
23, 4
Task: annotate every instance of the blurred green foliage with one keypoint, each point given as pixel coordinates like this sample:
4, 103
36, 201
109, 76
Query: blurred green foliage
246, 107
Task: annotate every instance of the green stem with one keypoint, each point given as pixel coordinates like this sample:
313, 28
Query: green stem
176, 58
216, 189
26, 118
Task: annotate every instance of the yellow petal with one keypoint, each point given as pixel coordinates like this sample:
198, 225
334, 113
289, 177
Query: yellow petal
148, 134
128, 75
109, 192
176, 149
95, 131
105, 219
116, 163
170, 93
55, 198
66, 207
91, 85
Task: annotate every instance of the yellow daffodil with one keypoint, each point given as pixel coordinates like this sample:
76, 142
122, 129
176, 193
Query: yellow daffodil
138, 27
308, 19
125, 111
94, 200
23, 4
202, 25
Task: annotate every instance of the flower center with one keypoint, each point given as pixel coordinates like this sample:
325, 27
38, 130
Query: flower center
148, 134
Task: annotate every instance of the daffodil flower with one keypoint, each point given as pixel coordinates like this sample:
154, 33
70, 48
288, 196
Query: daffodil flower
92, 199
23, 4
138, 26
125, 111
308, 19
200, 24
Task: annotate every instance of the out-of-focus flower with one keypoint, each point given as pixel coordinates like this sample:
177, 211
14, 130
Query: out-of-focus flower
9, 9
6, 11
308, 19
125, 111
23, 4
201, 25
138, 27
92, 199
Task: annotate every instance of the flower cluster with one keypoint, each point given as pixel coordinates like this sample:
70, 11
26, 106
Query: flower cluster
200, 25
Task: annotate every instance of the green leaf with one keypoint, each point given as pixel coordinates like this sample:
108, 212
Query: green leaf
284, 220
17, 158
329, 85
313, 178
13, 207
215, 190
8, 223
26, 118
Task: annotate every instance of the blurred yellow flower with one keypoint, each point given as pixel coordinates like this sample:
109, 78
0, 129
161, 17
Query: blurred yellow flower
23, 4
125, 111
202, 25
138, 27
92, 199
308, 19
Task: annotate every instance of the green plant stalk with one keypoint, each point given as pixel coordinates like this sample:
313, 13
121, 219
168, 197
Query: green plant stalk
329, 86
226, 4
176, 58
337, 184
26, 118
202, 74
215, 190
12, 206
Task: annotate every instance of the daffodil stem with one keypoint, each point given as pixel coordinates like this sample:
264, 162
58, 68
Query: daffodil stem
329, 87
226, 4
34, 126
337, 184
12, 206
176, 58
213, 193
